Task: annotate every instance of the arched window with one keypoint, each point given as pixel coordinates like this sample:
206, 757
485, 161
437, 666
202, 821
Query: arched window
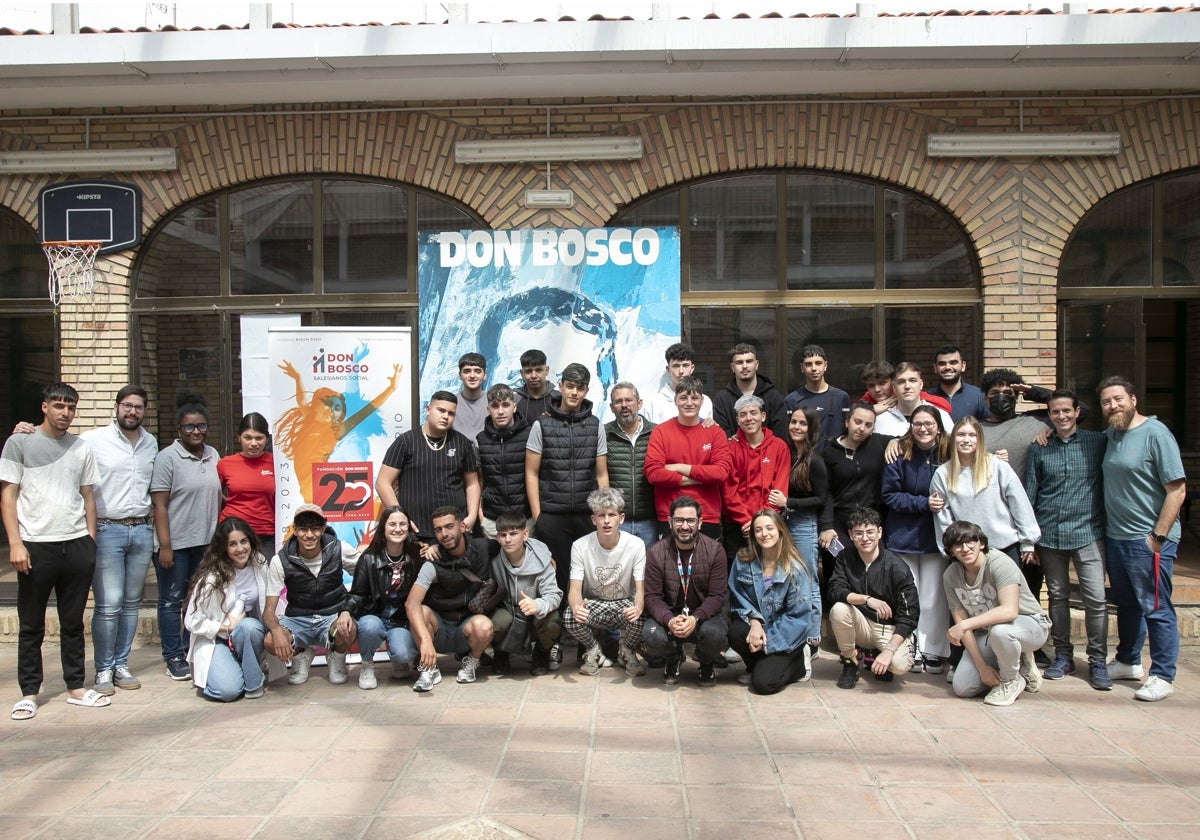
331, 250
28, 338
1129, 299
783, 259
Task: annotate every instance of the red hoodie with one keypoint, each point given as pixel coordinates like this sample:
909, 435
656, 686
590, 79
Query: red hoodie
756, 471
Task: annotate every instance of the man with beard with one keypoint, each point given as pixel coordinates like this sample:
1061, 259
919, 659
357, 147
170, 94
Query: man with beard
1144, 488
438, 605
431, 466
628, 435
686, 579
965, 399
124, 453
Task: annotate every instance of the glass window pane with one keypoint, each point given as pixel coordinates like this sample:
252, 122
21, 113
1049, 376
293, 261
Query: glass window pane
830, 233
914, 334
271, 233
1111, 246
1181, 239
364, 227
660, 211
183, 353
844, 334
925, 249
374, 318
1098, 341
184, 257
733, 234
22, 261
435, 213
27, 350
712, 332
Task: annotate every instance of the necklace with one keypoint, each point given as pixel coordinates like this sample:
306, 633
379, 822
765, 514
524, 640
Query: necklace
436, 447
850, 454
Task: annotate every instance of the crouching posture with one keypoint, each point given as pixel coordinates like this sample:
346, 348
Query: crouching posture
525, 571
997, 621
224, 610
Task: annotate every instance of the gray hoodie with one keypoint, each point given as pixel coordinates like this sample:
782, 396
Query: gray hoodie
534, 577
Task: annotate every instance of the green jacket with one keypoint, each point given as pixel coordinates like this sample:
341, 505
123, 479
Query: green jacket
625, 460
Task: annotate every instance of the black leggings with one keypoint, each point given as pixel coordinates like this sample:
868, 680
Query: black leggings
770, 673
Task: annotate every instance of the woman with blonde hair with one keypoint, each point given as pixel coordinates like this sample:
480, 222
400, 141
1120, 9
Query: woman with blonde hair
771, 614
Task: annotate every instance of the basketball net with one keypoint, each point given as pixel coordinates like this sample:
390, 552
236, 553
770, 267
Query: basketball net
71, 275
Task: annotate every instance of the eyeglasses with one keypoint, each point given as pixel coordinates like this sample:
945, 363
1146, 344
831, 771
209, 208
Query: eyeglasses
924, 425
681, 521
308, 529
869, 534
132, 407
969, 545
194, 427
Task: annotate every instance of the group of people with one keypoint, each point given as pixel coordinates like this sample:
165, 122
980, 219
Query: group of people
723, 529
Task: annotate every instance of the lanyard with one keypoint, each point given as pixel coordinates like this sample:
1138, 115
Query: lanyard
684, 582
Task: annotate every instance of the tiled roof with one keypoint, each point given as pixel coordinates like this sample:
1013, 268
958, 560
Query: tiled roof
88, 30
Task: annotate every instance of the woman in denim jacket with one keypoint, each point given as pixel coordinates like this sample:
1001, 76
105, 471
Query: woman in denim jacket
771, 615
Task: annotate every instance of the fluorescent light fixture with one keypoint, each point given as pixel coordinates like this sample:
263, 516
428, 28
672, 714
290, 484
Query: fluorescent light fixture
1013, 144
549, 198
548, 150
89, 160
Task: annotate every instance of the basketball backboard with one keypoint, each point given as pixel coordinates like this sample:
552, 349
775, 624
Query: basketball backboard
104, 211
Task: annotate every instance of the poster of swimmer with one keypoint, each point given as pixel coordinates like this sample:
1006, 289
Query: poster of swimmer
339, 396
607, 298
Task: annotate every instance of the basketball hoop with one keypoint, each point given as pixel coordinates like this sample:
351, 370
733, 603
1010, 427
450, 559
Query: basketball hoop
71, 273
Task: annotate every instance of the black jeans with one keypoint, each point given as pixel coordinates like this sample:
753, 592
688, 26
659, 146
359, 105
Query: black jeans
770, 673
709, 637
64, 568
558, 531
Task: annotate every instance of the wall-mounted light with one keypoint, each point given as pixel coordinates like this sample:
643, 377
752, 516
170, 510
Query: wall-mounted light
549, 198
548, 150
1024, 144
89, 160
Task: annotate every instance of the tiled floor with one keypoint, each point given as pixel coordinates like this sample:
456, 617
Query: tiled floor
567, 756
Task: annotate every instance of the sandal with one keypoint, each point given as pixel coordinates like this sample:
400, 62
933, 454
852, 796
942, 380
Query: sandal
24, 710
92, 699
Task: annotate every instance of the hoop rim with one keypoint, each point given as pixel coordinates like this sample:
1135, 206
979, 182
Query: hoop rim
80, 243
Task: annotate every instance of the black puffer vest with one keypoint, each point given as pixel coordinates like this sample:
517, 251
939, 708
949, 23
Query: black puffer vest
568, 470
324, 594
450, 592
502, 460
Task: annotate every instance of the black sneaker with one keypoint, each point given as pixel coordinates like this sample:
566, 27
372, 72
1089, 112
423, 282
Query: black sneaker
541, 662
671, 670
708, 677
500, 663
886, 676
178, 669
849, 677
555, 661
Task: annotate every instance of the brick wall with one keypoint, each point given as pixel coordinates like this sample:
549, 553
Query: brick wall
1018, 213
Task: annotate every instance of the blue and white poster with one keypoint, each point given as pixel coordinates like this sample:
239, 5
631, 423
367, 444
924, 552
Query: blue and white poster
607, 298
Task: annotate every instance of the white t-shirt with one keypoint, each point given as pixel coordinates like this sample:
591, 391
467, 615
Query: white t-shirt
49, 471
608, 574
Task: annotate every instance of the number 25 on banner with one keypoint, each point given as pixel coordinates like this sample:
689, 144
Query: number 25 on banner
345, 491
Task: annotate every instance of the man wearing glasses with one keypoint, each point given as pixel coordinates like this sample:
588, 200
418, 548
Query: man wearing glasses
686, 578
875, 606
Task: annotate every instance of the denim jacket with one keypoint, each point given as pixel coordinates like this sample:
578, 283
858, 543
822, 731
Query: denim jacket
784, 609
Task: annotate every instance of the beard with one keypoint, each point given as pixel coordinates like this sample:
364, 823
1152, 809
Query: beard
1119, 420
130, 422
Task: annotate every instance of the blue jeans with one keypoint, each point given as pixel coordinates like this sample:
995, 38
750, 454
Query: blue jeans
1144, 605
645, 530
172, 586
233, 672
372, 630
803, 528
122, 558
309, 630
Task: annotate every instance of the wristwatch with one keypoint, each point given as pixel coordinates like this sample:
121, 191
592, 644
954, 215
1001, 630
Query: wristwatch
1158, 538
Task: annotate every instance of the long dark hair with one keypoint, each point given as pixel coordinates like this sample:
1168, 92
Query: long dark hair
378, 545
216, 570
801, 474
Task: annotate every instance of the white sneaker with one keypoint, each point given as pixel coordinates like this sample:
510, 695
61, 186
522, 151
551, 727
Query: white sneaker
426, 680
950, 674
1006, 693
732, 656
1154, 689
301, 662
337, 667
366, 676
466, 673
1030, 673
1118, 670
593, 661
807, 663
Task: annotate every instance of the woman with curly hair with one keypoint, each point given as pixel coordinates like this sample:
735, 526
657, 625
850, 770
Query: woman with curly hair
224, 615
